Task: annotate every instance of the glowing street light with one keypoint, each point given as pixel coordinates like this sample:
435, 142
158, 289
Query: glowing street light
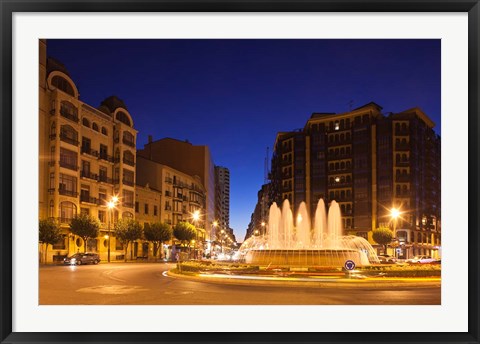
394, 213
110, 205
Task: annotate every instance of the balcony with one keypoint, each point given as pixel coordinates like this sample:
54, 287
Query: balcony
68, 115
168, 180
168, 193
88, 175
68, 165
128, 142
65, 192
89, 151
105, 179
402, 178
128, 182
106, 157
129, 162
87, 199
402, 146
128, 205
402, 163
69, 140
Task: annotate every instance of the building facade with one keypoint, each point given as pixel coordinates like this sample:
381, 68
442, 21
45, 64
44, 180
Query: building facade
259, 217
222, 200
87, 155
189, 160
369, 163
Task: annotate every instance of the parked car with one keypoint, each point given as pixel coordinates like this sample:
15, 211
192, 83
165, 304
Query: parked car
387, 259
421, 260
82, 258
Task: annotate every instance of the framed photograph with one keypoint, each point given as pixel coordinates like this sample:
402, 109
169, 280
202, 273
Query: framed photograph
154, 187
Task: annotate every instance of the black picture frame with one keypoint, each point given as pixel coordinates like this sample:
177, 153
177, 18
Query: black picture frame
9, 7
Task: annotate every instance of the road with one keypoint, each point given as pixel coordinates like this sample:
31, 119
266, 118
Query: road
148, 284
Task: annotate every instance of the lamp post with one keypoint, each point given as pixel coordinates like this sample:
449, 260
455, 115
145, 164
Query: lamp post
196, 217
111, 204
395, 213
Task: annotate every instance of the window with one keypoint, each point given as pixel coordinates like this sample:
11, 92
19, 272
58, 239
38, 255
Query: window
123, 117
104, 131
128, 199
136, 207
146, 208
68, 159
102, 195
128, 177
52, 181
53, 130
84, 211
127, 214
128, 138
102, 216
102, 171
67, 185
128, 158
85, 122
95, 126
50, 214
60, 244
155, 210
63, 84
103, 152
68, 134
67, 211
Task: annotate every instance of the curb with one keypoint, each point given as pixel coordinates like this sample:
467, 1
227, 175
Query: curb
292, 283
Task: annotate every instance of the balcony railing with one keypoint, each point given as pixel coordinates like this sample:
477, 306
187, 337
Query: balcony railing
67, 139
105, 179
402, 163
128, 142
402, 146
129, 162
71, 193
89, 151
403, 178
88, 174
168, 180
105, 157
128, 182
71, 116
128, 204
68, 165
89, 199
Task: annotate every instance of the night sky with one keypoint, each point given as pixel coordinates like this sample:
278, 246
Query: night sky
235, 95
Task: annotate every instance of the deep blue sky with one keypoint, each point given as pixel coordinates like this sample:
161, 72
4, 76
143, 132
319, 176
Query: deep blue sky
235, 95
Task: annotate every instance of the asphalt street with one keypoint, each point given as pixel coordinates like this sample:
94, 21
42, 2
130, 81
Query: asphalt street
149, 284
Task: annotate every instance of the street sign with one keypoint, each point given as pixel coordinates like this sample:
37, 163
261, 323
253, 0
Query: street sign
349, 265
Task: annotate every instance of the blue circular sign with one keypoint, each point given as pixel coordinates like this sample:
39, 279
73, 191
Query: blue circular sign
349, 265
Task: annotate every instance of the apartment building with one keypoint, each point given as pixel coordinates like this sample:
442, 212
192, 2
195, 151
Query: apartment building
370, 163
87, 155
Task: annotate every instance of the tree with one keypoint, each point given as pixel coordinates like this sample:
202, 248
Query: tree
382, 236
185, 232
49, 234
157, 233
86, 227
128, 230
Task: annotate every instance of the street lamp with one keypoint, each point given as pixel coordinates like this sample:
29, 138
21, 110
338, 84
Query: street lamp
395, 213
110, 205
196, 217
263, 227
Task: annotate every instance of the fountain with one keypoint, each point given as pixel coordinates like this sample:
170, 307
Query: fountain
302, 244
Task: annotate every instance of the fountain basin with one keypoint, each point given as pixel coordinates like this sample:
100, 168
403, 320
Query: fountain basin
306, 257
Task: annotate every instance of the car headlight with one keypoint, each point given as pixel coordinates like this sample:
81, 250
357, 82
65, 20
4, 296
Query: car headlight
73, 260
